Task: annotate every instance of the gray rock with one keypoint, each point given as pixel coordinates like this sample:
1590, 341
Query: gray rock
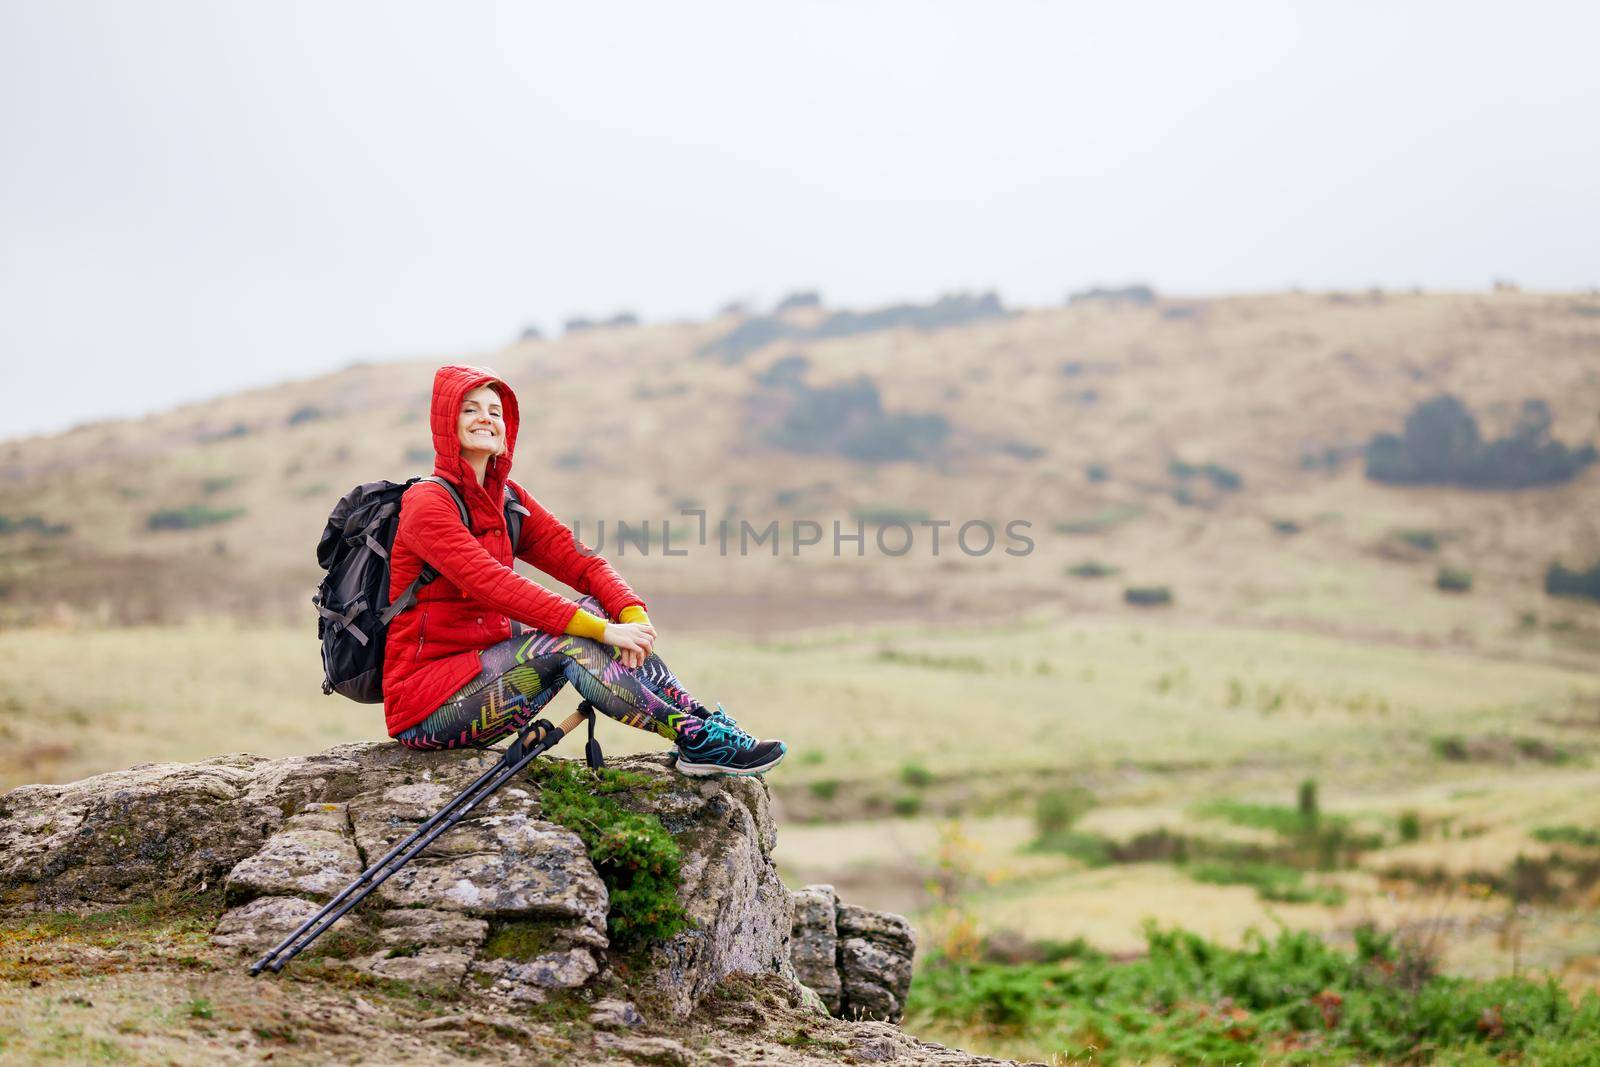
876, 949
814, 944
857, 961
612, 1013
501, 863
115, 838
281, 836
659, 1051
312, 856
530, 981
262, 923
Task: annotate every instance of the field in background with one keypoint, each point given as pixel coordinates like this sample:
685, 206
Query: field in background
921, 754
1313, 733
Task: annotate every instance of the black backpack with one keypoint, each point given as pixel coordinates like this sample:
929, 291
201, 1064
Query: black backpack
352, 601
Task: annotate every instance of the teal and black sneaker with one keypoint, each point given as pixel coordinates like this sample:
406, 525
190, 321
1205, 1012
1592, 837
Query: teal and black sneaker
721, 747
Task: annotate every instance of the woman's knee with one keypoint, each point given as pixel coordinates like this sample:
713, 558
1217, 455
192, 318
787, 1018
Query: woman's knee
590, 654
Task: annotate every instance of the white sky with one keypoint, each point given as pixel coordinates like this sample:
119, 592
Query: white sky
199, 196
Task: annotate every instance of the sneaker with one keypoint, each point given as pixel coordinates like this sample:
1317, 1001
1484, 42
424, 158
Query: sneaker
702, 715
720, 747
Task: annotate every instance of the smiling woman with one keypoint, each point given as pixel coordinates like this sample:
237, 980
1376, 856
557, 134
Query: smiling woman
482, 649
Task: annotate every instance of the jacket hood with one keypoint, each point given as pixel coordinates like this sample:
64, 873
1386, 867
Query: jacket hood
451, 384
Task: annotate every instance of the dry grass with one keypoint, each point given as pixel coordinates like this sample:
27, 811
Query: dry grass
1251, 382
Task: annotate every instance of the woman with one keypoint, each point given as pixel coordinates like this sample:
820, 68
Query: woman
484, 649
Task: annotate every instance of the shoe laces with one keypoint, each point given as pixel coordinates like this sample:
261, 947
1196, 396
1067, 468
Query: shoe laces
722, 713
719, 725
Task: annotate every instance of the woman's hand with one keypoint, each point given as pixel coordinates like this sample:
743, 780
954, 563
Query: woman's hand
633, 641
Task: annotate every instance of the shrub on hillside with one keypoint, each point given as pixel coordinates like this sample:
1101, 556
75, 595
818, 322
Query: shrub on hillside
786, 373
1222, 478
1147, 595
951, 310
800, 298
847, 418
947, 311
1441, 445
1564, 581
238, 429
1453, 579
190, 518
32, 524
1138, 295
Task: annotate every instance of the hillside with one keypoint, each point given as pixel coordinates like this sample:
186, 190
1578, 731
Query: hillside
1211, 446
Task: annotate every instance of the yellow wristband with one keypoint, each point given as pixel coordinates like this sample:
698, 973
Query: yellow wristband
584, 624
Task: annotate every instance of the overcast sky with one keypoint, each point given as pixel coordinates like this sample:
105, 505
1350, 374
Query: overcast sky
199, 196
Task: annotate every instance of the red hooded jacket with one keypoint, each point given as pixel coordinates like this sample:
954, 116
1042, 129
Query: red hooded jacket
433, 647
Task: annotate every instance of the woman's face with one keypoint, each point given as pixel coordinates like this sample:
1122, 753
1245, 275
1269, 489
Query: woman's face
481, 424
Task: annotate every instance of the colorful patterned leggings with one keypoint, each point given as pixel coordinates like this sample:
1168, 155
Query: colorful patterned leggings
522, 673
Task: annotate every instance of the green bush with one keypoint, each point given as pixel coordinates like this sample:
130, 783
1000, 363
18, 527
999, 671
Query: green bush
190, 518
916, 775
1287, 527
1223, 478
1090, 568
1453, 579
1309, 809
1147, 595
1409, 826
1057, 811
1563, 581
906, 805
1441, 445
636, 857
1422, 540
32, 524
824, 788
1587, 836
1193, 1001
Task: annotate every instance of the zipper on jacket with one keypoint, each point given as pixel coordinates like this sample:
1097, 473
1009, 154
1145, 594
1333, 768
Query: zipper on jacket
422, 635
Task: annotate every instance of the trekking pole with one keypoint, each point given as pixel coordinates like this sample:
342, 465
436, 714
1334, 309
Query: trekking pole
521, 752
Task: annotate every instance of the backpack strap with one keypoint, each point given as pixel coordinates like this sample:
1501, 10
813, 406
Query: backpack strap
514, 513
428, 573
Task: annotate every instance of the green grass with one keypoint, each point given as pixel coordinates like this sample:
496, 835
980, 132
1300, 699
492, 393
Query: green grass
1102, 521
1271, 881
1192, 1001
1587, 836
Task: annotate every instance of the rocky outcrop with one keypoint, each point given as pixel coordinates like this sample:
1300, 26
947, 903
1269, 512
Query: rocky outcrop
507, 912
857, 961
507, 900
